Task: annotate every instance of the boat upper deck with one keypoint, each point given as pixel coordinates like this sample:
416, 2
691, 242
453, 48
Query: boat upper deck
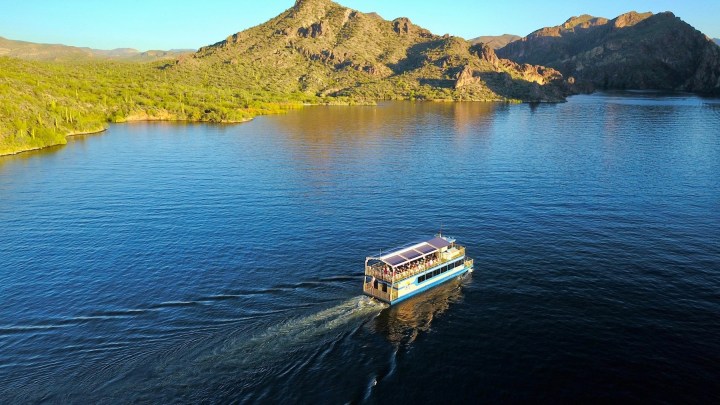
408, 254
408, 261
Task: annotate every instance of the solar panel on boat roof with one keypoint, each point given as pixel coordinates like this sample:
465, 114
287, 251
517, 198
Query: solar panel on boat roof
395, 260
425, 249
410, 254
438, 242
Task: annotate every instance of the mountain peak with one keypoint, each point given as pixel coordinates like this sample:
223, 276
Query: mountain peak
310, 4
583, 21
311, 11
631, 18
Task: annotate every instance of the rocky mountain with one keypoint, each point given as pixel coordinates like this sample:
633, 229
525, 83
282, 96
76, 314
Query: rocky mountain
495, 41
57, 52
632, 51
322, 48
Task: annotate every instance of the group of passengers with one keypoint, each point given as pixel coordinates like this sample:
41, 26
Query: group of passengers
412, 267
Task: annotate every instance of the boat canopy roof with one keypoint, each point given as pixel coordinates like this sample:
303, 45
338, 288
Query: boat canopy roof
416, 251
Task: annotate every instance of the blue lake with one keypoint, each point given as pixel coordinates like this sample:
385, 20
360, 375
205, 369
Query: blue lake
164, 262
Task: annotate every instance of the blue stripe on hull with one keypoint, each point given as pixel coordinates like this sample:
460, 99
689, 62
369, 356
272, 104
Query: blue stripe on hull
435, 283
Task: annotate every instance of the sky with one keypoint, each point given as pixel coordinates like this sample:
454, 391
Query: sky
182, 24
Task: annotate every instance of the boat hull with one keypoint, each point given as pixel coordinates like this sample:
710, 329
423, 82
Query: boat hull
412, 287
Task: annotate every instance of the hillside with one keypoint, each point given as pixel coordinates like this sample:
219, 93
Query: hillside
59, 53
322, 48
495, 41
315, 52
632, 51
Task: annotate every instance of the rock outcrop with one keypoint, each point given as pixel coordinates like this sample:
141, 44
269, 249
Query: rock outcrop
632, 51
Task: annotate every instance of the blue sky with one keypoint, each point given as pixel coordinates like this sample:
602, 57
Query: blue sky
167, 24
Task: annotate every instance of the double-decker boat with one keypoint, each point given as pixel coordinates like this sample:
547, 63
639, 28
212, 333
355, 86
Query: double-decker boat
404, 272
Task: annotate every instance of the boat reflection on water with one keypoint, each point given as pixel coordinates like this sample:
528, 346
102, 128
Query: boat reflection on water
402, 323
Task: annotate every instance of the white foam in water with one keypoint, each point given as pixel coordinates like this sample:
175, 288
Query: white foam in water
293, 334
306, 328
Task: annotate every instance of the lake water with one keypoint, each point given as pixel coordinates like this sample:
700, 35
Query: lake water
183, 263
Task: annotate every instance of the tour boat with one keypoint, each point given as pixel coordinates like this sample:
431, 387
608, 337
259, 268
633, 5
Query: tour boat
401, 273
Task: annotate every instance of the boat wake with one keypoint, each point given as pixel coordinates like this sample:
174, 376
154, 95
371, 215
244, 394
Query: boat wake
294, 334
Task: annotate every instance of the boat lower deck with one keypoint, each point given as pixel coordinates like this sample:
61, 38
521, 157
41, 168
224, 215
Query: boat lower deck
397, 292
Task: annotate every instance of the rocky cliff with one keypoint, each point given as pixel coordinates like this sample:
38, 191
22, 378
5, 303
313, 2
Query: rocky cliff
323, 48
632, 51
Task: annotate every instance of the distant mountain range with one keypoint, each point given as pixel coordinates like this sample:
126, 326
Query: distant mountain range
57, 52
717, 41
495, 41
631, 51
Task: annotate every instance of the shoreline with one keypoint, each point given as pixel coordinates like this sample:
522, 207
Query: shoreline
141, 118
71, 134
90, 132
104, 129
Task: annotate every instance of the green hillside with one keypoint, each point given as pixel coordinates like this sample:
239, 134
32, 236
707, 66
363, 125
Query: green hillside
323, 48
41, 103
315, 52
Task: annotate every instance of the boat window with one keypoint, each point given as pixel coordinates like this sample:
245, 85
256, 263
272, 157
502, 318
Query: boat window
384, 287
375, 284
421, 278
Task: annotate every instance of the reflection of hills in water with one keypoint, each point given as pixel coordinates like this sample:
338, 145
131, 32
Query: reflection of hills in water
401, 324
327, 144
332, 124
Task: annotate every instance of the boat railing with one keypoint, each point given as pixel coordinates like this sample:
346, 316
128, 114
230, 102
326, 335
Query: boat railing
378, 269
